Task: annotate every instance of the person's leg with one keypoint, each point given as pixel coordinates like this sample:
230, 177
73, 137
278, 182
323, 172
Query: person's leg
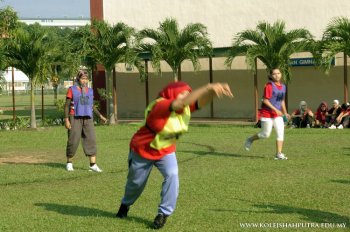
279, 128
346, 122
139, 170
89, 143
170, 187
73, 141
266, 128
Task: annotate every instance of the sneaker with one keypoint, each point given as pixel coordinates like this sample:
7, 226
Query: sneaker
332, 127
281, 156
293, 126
248, 144
123, 211
308, 126
95, 168
69, 167
159, 221
340, 126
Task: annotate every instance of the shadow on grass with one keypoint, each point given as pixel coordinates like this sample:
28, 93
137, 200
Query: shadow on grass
81, 211
211, 151
341, 181
75, 210
311, 215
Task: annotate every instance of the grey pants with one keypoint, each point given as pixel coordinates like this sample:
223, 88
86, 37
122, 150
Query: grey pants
81, 128
139, 170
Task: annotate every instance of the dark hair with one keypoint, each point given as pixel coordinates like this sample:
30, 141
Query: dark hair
270, 72
81, 74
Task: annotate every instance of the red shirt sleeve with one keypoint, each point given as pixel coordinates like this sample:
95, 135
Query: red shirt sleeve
69, 93
268, 91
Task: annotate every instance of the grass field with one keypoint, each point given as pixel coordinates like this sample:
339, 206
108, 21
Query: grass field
222, 187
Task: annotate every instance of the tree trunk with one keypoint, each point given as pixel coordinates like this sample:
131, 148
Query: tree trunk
146, 83
115, 99
32, 102
345, 78
42, 105
175, 77
55, 94
256, 93
13, 95
110, 106
179, 73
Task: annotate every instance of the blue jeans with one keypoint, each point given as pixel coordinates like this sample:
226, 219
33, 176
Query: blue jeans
139, 171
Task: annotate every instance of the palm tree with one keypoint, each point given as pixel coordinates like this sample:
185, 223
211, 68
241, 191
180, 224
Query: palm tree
29, 51
8, 23
173, 45
110, 45
272, 45
336, 38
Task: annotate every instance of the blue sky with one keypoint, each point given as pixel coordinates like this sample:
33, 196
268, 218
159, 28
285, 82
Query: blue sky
49, 8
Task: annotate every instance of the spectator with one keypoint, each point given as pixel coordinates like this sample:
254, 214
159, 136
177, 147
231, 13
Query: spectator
333, 113
303, 116
321, 115
343, 118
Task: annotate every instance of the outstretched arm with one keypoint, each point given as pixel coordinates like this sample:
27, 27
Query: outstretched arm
203, 95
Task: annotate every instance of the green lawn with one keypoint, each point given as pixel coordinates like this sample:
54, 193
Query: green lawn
222, 186
22, 106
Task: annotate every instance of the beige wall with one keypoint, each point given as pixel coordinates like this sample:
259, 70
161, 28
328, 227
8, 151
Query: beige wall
225, 18
307, 84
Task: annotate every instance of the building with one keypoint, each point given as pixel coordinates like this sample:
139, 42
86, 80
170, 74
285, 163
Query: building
224, 19
57, 22
21, 81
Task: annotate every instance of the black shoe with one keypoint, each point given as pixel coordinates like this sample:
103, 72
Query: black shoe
123, 211
159, 221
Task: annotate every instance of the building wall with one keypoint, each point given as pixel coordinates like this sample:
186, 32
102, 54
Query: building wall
224, 19
307, 84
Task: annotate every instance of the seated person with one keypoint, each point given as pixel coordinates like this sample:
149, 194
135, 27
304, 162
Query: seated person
321, 115
342, 121
303, 116
333, 113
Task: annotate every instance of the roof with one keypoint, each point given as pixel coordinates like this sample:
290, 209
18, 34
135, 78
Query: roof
19, 76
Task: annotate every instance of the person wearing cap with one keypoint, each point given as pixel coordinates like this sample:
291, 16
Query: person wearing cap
78, 118
303, 116
332, 115
154, 144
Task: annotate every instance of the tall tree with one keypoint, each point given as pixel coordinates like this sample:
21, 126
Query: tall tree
272, 45
110, 45
29, 51
173, 45
336, 38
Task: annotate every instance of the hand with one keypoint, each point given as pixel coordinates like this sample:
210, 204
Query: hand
103, 119
279, 113
221, 89
67, 124
288, 116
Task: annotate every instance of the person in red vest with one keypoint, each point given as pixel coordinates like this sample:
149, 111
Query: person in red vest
273, 112
154, 144
78, 117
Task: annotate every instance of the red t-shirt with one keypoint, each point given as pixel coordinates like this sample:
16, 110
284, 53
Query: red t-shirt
267, 112
156, 120
70, 96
